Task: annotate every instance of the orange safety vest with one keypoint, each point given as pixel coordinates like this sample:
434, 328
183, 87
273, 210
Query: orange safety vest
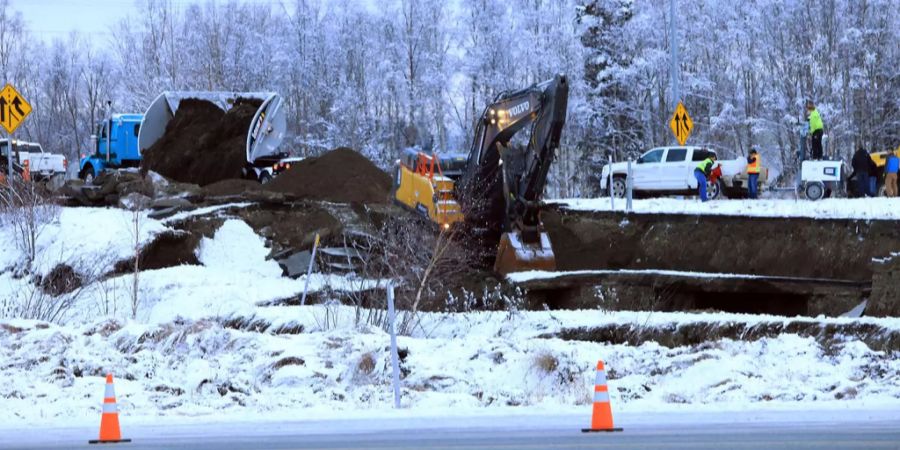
755, 165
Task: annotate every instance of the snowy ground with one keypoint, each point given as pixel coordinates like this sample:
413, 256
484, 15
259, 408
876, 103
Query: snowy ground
870, 208
452, 363
195, 349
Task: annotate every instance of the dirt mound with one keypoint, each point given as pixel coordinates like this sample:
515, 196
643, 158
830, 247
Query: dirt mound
292, 227
231, 187
342, 175
202, 143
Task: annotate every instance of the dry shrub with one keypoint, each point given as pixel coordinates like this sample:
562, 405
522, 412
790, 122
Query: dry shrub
104, 328
366, 364
26, 209
10, 328
545, 362
288, 361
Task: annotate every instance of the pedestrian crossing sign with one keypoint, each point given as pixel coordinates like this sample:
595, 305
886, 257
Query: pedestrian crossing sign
681, 124
13, 108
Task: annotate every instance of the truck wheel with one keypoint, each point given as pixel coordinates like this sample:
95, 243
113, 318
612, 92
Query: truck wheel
715, 190
265, 178
619, 187
815, 190
87, 175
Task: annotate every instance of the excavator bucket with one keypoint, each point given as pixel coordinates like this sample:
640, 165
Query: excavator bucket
515, 255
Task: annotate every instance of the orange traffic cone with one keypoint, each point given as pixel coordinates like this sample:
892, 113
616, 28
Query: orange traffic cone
602, 419
109, 420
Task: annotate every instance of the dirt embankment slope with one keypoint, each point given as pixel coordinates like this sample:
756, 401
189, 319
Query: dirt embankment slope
796, 247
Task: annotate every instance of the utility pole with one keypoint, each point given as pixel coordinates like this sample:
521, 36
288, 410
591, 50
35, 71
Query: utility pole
673, 46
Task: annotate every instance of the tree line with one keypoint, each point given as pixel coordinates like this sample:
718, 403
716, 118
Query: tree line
382, 76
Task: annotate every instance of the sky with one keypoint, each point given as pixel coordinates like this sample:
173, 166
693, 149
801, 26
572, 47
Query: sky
50, 19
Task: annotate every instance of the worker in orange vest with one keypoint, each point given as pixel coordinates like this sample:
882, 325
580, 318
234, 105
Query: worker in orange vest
754, 165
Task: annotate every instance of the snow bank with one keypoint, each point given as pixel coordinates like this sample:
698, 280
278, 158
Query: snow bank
205, 211
91, 240
200, 368
205, 342
867, 209
237, 248
535, 275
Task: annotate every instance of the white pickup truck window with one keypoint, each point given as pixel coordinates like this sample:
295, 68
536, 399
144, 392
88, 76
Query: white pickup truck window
653, 156
676, 155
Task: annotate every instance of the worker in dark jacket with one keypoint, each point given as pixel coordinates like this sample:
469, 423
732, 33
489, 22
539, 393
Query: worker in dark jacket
701, 173
754, 165
816, 129
863, 168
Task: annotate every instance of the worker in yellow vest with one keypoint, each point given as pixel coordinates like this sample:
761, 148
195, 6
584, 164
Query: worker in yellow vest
702, 173
816, 129
754, 165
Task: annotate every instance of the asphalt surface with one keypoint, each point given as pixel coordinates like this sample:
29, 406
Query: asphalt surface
855, 434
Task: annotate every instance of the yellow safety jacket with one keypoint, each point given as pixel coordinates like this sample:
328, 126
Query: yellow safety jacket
754, 167
705, 166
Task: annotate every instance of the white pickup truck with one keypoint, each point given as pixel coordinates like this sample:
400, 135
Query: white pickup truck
670, 171
42, 165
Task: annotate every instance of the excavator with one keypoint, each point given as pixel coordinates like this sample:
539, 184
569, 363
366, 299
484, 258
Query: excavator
496, 196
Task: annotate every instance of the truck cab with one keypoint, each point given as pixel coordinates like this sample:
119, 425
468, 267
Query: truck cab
115, 146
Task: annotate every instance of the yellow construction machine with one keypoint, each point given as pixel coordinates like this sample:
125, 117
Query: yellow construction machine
496, 195
880, 160
425, 183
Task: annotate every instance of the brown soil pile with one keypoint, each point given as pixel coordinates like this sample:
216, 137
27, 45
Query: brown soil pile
292, 227
341, 175
231, 187
202, 143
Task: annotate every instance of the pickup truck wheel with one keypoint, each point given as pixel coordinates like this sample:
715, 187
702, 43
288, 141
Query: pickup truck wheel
715, 190
87, 175
265, 177
619, 186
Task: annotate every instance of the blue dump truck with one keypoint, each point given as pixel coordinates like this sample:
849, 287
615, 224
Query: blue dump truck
115, 146
121, 138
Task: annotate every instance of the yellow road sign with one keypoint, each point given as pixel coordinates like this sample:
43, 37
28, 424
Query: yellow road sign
681, 124
13, 108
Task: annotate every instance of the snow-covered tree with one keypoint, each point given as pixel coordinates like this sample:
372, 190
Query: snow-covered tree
380, 76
